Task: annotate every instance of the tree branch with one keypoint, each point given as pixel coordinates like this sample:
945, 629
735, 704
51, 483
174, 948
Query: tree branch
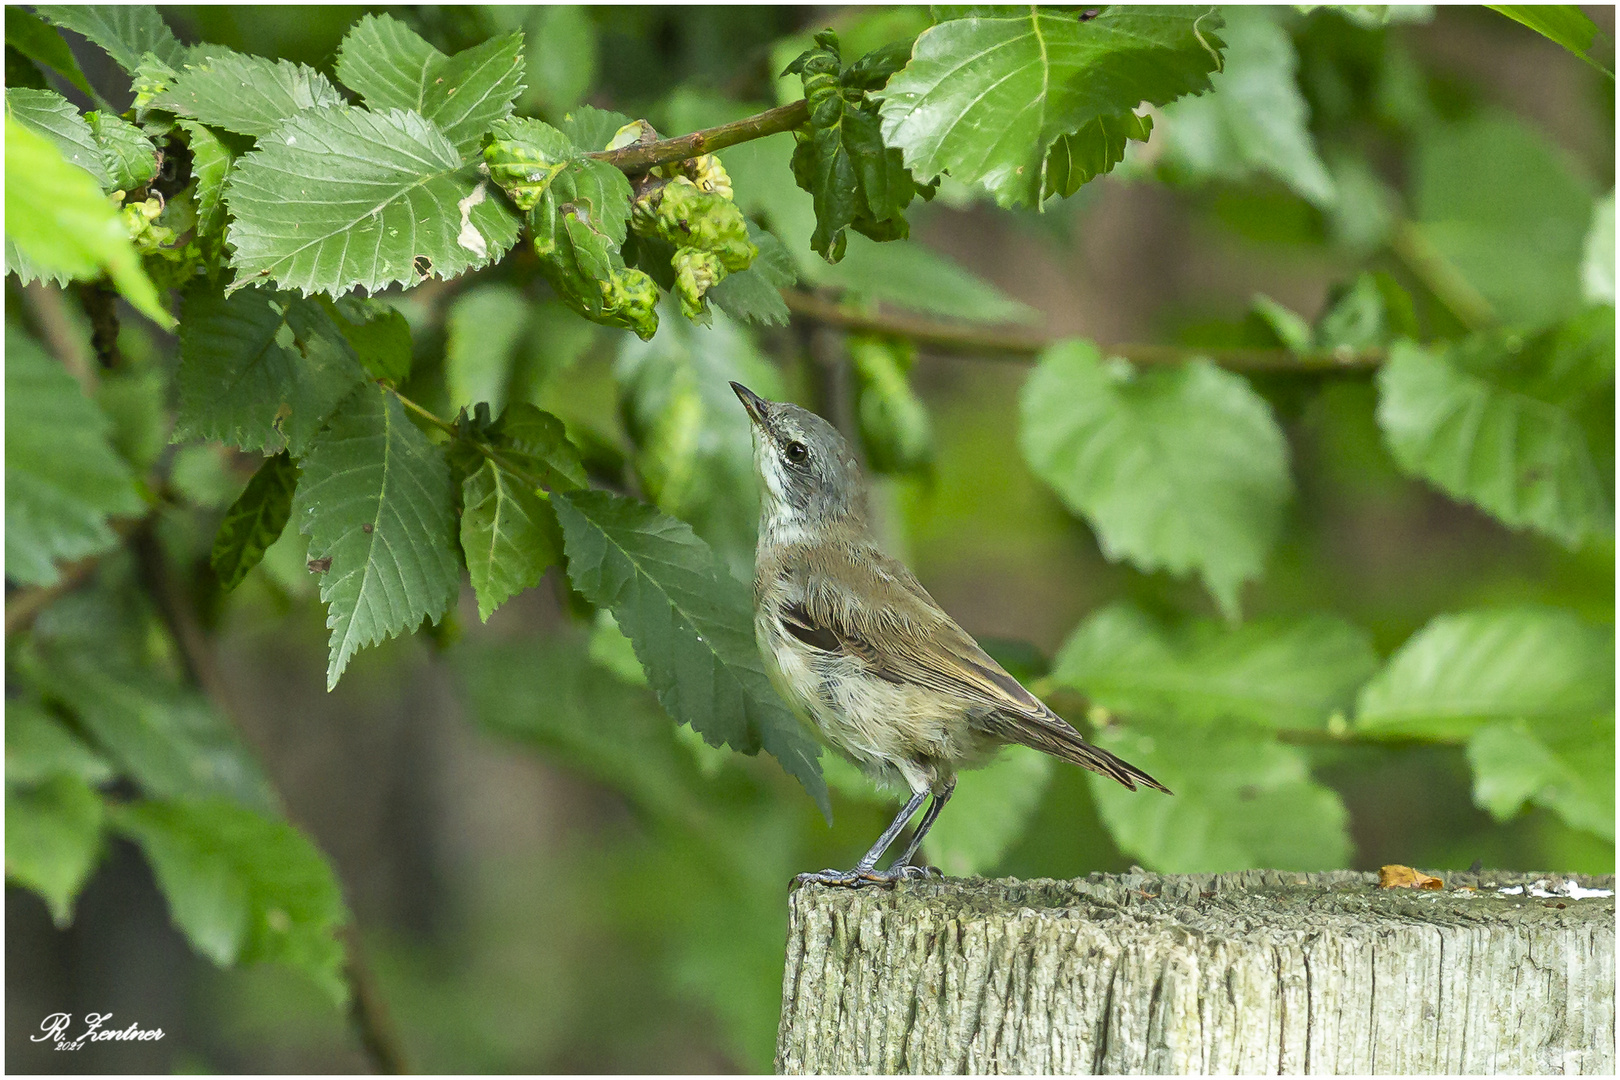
639, 158
1018, 344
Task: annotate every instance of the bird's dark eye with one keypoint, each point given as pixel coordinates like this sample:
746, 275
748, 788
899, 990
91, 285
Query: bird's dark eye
796, 452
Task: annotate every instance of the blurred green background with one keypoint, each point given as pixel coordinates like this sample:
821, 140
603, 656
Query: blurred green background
552, 879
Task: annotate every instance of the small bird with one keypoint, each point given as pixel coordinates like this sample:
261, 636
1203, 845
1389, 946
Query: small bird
863, 653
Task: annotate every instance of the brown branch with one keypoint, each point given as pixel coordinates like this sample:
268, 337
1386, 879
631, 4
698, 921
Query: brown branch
50, 311
367, 1009
1019, 344
638, 158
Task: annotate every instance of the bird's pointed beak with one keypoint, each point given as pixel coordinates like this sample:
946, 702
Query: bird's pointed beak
755, 404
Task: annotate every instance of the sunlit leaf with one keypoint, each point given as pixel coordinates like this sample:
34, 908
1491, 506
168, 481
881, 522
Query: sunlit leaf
126, 31
1566, 766
1242, 801
391, 67
58, 220
1495, 420
1283, 673
1255, 120
986, 96
246, 94
1463, 672
48, 113
1178, 468
344, 197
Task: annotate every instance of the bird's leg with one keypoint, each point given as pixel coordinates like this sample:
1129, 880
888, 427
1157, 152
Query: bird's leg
902, 865
863, 872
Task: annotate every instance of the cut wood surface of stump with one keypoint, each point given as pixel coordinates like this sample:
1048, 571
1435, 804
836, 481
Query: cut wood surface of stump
1255, 972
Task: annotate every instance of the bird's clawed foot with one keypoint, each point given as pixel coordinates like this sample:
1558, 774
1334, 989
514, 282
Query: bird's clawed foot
864, 876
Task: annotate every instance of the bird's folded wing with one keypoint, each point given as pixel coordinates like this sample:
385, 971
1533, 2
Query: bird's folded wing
878, 613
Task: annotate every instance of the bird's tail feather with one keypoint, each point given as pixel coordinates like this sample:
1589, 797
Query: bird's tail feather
1067, 743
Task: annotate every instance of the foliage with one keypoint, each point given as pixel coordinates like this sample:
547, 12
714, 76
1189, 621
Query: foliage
423, 314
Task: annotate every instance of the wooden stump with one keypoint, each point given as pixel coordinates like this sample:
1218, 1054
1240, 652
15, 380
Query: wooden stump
1257, 972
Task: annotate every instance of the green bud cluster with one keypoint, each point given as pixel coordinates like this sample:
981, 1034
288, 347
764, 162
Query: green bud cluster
708, 232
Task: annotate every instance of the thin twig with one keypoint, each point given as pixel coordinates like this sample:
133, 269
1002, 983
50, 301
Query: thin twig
24, 605
1019, 344
1443, 279
638, 158
49, 308
367, 1009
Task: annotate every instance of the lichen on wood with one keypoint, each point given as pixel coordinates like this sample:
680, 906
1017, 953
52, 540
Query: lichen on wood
1256, 972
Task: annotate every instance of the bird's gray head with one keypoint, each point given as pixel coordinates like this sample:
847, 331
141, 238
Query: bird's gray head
808, 475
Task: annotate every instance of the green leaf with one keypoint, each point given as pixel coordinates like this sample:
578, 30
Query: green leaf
126, 32
483, 329
1502, 205
536, 442
1079, 158
344, 197
754, 295
168, 739
1372, 312
1494, 420
1178, 468
1598, 263
58, 220
691, 623
1242, 801
1288, 327
38, 748
129, 156
31, 36
524, 156
254, 521
1278, 673
260, 370
48, 113
695, 447
53, 840
63, 479
509, 535
855, 180
895, 430
1567, 767
211, 161
1564, 23
390, 66
1256, 120
243, 887
989, 811
1463, 672
545, 692
592, 128
915, 277
250, 95
984, 98
377, 332
376, 500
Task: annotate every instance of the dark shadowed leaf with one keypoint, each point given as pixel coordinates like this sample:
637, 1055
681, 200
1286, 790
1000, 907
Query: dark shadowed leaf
691, 623
376, 502
254, 521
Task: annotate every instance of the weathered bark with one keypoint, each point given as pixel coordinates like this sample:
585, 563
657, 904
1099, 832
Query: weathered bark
1258, 972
